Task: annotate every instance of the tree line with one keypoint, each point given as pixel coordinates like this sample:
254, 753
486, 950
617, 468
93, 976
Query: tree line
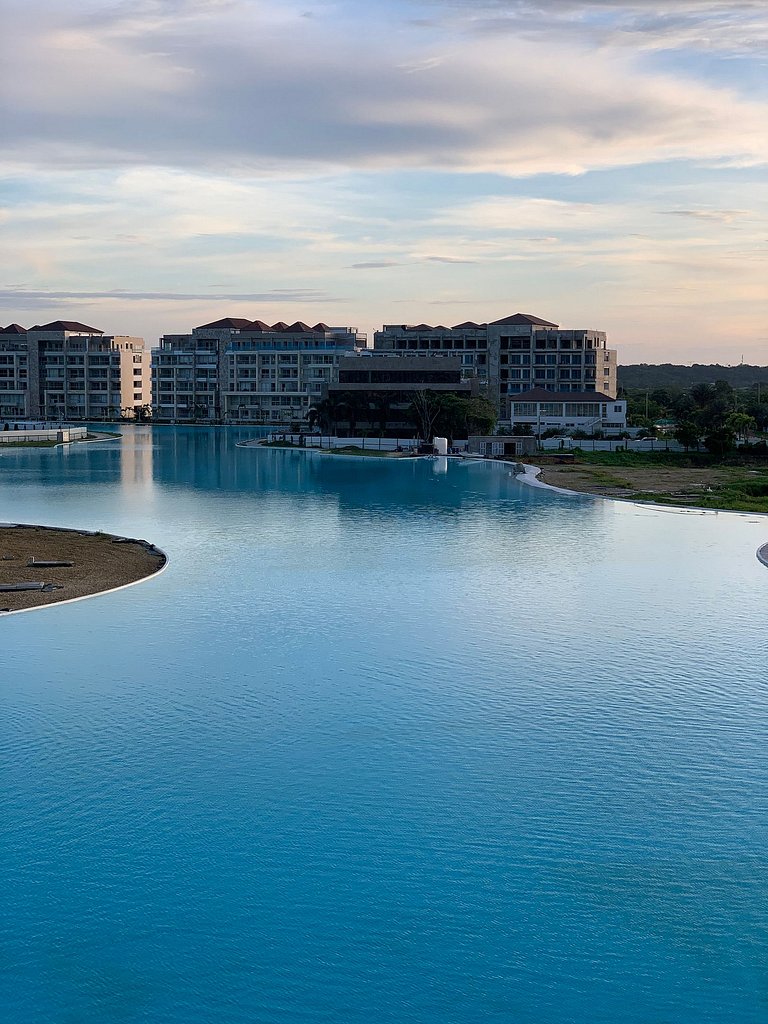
717, 415
672, 375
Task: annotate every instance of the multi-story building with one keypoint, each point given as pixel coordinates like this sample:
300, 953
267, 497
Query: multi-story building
239, 370
589, 411
376, 392
513, 354
67, 370
14, 390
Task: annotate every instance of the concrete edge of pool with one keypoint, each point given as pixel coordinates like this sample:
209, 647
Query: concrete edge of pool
150, 548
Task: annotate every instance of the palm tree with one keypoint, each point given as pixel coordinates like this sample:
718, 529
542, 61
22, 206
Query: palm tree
326, 413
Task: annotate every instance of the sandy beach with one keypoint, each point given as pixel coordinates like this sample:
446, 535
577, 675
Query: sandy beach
100, 562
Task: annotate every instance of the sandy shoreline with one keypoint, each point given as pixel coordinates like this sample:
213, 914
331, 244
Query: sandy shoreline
101, 562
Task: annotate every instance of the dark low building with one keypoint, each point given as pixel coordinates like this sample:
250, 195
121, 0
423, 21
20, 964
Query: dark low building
391, 373
376, 393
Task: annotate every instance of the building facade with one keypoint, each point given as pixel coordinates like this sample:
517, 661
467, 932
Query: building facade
588, 411
14, 384
375, 392
236, 370
66, 370
514, 354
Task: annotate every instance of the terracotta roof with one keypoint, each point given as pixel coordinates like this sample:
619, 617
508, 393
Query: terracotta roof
542, 395
421, 327
255, 326
300, 328
468, 325
13, 329
233, 322
66, 325
522, 318
279, 326
321, 327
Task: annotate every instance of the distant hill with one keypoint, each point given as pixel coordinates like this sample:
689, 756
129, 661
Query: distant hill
671, 375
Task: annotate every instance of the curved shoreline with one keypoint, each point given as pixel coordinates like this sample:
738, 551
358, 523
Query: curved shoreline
530, 476
92, 566
532, 479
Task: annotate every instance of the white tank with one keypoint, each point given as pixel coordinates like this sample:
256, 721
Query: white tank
440, 445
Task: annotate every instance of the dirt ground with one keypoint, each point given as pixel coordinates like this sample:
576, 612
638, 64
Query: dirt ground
624, 481
101, 562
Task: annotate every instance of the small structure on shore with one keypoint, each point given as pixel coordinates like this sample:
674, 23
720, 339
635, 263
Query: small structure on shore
499, 445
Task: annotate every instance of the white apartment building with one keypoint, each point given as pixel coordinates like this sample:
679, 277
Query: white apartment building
14, 389
67, 370
237, 370
513, 354
590, 411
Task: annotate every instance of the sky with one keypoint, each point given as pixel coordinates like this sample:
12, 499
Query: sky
599, 164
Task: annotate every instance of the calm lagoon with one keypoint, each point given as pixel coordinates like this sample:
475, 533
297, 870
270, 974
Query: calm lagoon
393, 742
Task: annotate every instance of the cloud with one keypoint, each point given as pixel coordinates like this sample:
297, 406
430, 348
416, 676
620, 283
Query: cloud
710, 26
375, 265
24, 298
445, 259
224, 86
521, 213
721, 216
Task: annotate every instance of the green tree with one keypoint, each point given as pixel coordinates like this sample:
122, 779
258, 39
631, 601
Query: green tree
454, 416
719, 441
741, 424
687, 434
482, 415
325, 414
702, 394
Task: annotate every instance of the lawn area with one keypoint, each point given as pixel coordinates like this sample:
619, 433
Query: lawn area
102, 435
349, 449
667, 478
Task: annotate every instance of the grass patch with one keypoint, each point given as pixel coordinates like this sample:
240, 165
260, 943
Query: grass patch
640, 460
603, 478
351, 449
28, 444
729, 498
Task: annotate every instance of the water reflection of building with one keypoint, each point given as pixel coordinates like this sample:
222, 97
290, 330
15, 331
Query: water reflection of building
137, 457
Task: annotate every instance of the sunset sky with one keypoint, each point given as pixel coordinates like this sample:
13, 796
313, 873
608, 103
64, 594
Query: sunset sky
600, 164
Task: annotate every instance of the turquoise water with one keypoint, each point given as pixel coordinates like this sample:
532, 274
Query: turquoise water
402, 742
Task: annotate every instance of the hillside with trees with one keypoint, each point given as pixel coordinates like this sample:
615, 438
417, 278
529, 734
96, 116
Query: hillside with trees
672, 375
